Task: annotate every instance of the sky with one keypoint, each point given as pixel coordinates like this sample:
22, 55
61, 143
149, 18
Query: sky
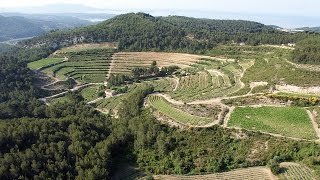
261, 10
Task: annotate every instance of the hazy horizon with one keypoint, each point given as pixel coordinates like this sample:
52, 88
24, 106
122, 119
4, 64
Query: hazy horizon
286, 13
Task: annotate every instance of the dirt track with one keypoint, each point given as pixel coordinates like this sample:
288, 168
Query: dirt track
251, 173
313, 117
177, 83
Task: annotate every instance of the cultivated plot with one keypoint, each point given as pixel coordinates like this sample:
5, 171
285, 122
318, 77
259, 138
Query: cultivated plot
253, 173
44, 62
286, 121
124, 62
291, 170
87, 66
160, 104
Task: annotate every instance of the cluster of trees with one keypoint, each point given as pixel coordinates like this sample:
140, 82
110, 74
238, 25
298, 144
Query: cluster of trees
153, 71
74, 142
138, 73
17, 94
307, 51
117, 79
297, 101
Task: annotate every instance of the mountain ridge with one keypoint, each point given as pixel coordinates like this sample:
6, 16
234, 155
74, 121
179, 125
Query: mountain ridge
142, 31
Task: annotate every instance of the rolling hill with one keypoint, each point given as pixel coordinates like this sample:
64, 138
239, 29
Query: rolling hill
89, 102
17, 27
311, 29
140, 31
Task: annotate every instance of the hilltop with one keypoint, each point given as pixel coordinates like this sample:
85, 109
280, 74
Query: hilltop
140, 31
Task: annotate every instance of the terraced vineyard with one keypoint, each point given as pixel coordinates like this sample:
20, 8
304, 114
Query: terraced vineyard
215, 79
287, 121
253, 173
163, 106
85, 66
295, 171
204, 92
123, 62
44, 62
163, 85
201, 80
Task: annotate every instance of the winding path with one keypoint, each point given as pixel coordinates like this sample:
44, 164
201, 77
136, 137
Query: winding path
217, 101
177, 83
308, 67
313, 117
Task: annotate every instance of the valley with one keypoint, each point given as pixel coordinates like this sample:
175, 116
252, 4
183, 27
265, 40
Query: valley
233, 92
204, 101
200, 80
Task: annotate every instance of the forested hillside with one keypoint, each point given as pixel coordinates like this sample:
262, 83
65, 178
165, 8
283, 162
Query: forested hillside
227, 31
144, 32
211, 25
4, 47
307, 51
311, 29
17, 27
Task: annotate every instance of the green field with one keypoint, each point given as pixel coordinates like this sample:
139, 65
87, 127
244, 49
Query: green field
167, 109
43, 62
111, 105
91, 93
296, 95
287, 121
62, 99
270, 65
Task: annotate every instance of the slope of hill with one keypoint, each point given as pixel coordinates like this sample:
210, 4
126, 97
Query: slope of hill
17, 27
142, 31
307, 51
311, 29
71, 139
4, 47
211, 25
62, 21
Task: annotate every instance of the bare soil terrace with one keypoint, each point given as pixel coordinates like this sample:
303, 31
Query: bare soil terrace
125, 61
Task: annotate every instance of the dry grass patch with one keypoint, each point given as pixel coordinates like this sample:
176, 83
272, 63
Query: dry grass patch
82, 47
295, 171
253, 173
125, 61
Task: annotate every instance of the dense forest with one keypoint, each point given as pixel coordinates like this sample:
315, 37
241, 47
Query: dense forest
307, 51
138, 32
18, 27
73, 141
